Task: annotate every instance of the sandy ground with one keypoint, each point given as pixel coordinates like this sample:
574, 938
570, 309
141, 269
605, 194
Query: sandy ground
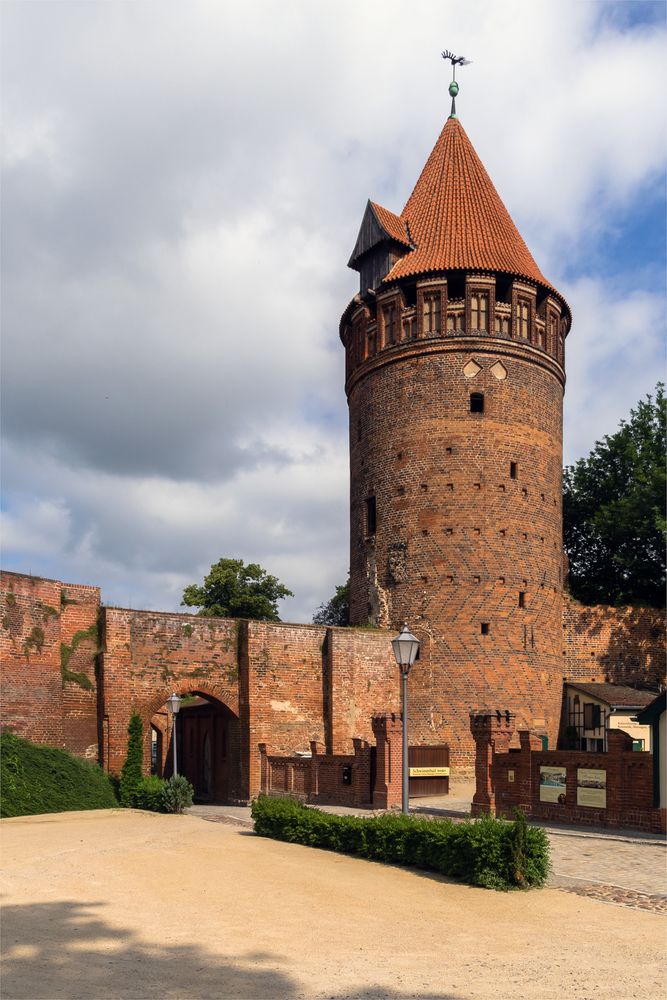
133, 905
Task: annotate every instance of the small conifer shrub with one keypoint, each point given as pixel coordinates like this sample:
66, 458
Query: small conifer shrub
131, 774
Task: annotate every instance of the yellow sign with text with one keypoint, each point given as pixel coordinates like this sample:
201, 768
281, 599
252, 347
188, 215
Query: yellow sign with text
429, 772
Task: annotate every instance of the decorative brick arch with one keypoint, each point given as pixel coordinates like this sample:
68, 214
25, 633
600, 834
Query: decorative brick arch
189, 685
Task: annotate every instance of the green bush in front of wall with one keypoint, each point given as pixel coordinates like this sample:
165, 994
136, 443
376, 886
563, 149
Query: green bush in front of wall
177, 794
149, 794
39, 779
486, 852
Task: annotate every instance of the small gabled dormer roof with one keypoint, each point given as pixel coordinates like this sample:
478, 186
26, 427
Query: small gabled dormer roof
379, 225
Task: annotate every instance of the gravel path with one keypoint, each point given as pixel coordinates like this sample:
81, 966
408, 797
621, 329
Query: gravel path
139, 906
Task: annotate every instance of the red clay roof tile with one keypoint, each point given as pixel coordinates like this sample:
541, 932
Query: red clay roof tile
456, 219
393, 224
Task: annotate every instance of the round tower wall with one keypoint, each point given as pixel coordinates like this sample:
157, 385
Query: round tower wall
456, 526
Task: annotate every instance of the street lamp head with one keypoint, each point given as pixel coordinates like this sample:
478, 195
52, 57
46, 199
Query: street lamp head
406, 647
174, 703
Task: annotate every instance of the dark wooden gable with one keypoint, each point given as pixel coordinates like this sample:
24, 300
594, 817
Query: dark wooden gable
376, 249
371, 233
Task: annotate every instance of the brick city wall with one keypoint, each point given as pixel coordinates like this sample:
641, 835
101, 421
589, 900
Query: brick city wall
288, 685
48, 644
619, 645
340, 779
509, 777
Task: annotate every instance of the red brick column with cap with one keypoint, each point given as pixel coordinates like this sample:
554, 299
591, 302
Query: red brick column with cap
387, 730
492, 733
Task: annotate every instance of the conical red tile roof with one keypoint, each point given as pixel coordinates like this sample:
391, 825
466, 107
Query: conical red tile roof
456, 219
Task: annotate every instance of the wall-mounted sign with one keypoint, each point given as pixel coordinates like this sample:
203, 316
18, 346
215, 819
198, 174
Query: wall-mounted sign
552, 784
510, 776
592, 787
429, 772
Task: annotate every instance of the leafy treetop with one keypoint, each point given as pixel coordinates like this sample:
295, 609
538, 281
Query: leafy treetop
232, 590
335, 611
614, 512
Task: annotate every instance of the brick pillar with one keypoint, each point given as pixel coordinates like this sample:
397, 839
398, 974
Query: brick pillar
361, 772
387, 731
264, 769
492, 732
619, 743
529, 743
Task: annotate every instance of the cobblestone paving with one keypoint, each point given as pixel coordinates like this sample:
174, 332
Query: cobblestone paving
620, 897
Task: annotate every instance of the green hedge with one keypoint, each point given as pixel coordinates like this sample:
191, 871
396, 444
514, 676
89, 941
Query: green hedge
157, 795
492, 853
38, 779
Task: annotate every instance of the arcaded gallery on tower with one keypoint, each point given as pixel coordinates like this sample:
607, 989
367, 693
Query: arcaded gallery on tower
455, 374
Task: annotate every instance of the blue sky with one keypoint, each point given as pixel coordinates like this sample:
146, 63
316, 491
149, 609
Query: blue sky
181, 195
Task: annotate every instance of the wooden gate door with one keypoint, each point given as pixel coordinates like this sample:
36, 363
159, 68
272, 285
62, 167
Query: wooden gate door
429, 770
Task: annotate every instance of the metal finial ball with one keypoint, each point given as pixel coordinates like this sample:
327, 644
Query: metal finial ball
453, 88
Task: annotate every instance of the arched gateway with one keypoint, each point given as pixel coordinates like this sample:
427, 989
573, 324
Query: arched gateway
207, 741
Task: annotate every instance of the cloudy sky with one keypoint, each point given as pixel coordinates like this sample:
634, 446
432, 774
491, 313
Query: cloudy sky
183, 183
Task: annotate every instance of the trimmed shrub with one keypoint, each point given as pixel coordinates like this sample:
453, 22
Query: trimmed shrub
177, 794
150, 794
131, 774
39, 779
487, 852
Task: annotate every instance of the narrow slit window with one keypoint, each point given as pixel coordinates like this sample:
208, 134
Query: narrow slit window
371, 516
522, 313
513, 470
389, 317
479, 312
431, 314
485, 628
477, 402
522, 598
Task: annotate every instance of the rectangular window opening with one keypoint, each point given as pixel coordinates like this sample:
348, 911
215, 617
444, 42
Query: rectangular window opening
513, 470
522, 598
371, 516
591, 716
485, 628
477, 402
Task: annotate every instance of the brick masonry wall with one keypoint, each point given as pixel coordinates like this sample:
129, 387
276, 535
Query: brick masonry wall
509, 777
618, 645
457, 538
148, 655
288, 685
48, 645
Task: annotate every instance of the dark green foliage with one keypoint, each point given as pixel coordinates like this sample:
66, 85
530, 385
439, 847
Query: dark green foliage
38, 779
335, 611
614, 512
150, 794
34, 641
67, 651
131, 774
232, 590
491, 853
177, 794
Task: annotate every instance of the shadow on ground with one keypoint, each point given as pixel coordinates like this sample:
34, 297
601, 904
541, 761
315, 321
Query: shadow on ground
66, 950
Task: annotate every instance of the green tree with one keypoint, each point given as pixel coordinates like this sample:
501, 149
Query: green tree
614, 512
232, 590
131, 774
335, 611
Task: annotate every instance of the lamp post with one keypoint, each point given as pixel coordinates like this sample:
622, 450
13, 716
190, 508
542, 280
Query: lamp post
174, 703
406, 647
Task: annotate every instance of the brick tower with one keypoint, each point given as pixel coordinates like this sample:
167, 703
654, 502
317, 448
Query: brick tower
455, 376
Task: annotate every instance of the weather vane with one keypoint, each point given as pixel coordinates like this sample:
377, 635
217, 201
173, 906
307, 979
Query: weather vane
454, 87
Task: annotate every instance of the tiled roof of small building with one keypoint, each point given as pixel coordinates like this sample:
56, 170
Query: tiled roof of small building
615, 694
456, 219
393, 224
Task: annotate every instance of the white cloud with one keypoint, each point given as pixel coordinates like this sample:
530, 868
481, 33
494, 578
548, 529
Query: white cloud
182, 190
